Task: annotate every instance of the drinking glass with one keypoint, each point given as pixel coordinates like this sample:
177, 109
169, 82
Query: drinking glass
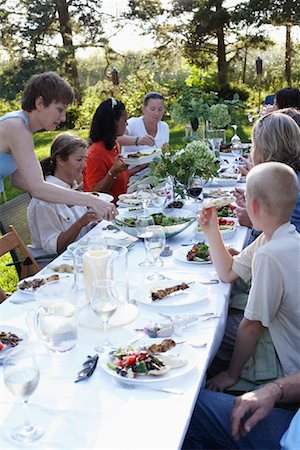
141, 225
55, 317
215, 138
237, 149
155, 241
117, 271
79, 284
144, 193
104, 302
159, 197
195, 188
96, 241
21, 377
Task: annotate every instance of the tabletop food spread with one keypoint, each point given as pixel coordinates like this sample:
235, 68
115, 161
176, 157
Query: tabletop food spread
162, 337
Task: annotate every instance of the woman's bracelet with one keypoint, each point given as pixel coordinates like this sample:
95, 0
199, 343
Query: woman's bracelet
137, 141
281, 390
111, 175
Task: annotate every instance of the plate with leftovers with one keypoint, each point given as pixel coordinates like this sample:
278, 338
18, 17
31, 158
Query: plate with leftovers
198, 254
103, 196
150, 363
30, 285
10, 337
165, 293
218, 202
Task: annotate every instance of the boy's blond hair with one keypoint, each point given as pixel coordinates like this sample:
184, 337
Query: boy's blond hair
275, 186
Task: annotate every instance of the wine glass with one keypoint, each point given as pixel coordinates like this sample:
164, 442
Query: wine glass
104, 302
237, 149
155, 241
21, 377
159, 197
144, 193
141, 225
195, 188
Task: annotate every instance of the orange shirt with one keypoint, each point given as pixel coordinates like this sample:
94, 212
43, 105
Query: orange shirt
99, 161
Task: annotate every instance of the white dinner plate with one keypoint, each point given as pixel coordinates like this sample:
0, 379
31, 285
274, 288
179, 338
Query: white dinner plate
183, 350
195, 293
148, 156
31, 291
104, 196
180, 255
18, 332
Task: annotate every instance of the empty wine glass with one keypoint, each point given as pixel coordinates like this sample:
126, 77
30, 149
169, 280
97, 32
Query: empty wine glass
104, 302
236, 144
195, 188
144, 193
159, 197
141, 225
21, 377
155, 241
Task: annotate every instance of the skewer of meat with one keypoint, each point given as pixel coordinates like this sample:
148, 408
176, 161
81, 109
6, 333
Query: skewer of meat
162, 293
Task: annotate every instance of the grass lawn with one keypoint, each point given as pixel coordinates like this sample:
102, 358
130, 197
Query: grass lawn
8, 277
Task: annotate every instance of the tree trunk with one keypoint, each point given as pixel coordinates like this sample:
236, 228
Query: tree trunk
245, 65
288, 51
222, 63
69, 60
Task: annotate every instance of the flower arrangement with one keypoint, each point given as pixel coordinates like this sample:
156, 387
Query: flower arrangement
195, 159
218, 116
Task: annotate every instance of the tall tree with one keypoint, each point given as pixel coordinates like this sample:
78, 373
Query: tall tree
203, 28
275, 12
53, 26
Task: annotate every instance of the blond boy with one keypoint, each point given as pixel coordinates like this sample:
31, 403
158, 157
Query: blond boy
273, 263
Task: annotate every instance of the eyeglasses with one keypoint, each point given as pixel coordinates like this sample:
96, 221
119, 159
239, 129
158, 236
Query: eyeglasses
114, 102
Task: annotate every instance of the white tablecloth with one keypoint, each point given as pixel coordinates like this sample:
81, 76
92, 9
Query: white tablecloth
100, 413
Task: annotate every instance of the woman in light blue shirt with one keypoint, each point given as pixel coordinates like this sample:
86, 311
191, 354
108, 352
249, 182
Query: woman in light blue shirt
44, 103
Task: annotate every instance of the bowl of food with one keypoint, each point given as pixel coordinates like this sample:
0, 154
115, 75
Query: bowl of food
173, 222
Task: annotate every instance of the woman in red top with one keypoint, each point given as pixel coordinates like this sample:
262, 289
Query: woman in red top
105, 171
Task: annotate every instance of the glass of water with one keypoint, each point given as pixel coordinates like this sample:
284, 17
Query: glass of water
155, 241
141, 225
21, 377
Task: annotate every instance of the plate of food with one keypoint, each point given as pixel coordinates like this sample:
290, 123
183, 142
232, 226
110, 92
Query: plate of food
214, 193
10, 337
131, 199
218, 202
165, 293
173, 221
150, 363
227, 228
225, 179
198, 254
59, 268
141, 157
30, 285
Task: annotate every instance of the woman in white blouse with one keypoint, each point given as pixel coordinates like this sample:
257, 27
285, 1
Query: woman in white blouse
147, 131
54, 226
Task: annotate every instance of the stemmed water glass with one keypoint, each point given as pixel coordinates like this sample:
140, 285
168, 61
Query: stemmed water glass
237, 149
104, 302
144, 193
141, 225
159, 197
195, 188
155, 241
21, 377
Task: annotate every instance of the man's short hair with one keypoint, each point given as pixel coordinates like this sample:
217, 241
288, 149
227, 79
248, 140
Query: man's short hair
275, 186
48, 85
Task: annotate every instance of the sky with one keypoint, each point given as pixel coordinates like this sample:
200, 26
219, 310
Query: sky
130, 38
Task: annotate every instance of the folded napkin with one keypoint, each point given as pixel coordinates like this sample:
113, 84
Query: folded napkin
119, 238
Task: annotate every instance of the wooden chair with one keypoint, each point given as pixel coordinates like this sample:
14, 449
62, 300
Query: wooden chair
14, 212
12, 241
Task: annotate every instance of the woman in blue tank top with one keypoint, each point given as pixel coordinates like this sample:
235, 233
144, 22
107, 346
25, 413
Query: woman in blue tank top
44, 103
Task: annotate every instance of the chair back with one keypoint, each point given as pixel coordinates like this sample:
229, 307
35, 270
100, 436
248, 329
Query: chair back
12, 241
14, 212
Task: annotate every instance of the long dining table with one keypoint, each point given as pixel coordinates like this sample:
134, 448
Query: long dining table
103, 412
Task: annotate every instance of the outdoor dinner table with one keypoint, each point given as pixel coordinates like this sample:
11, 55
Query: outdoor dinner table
103, 412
